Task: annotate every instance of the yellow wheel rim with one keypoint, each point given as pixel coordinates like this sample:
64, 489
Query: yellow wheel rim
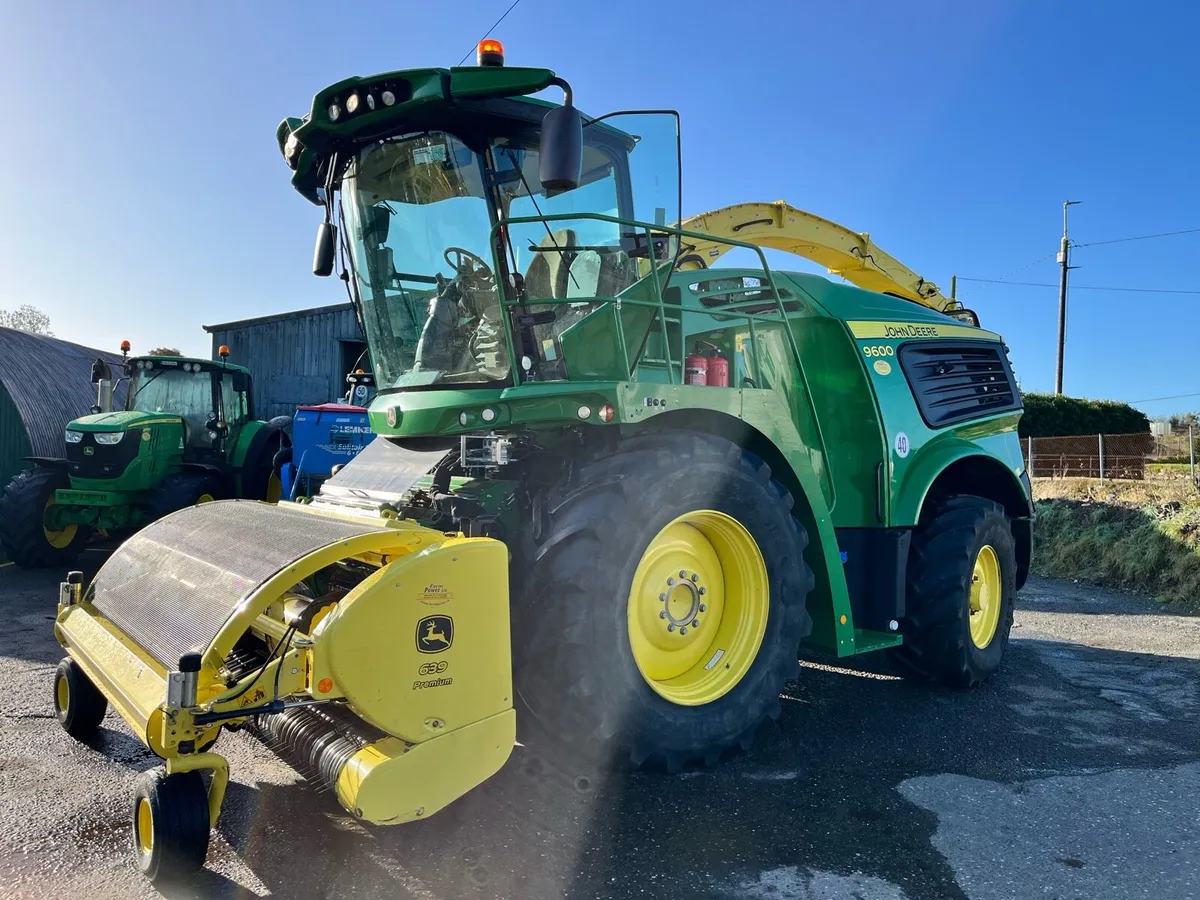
205, 498
59, 538
986, 591
145, 826
62, 696
274, 489
697, 608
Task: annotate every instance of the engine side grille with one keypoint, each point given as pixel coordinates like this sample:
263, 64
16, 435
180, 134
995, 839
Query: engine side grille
959, 382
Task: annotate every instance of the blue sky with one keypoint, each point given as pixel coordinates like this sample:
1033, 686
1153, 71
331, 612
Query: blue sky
146, 197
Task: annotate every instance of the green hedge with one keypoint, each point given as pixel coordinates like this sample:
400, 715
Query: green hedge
1047, 415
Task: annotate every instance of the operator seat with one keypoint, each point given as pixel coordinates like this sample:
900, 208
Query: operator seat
549, 273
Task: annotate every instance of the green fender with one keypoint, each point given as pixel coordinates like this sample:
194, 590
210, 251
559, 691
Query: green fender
939, 454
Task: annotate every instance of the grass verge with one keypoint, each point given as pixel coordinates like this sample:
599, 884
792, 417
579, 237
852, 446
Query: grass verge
1139, 536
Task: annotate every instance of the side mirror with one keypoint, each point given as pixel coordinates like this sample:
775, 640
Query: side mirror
325, 250
241, 381
560, 154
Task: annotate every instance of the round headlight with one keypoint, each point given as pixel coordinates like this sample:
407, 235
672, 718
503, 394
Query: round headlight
488, 414
388, 98
463, 419
370, 101
352, 103
335, 112
291, 146
392, 416
187, 367
584, 412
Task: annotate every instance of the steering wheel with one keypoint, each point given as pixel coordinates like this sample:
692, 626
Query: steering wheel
466, 263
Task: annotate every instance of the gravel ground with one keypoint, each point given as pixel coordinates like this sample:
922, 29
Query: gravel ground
1073, 774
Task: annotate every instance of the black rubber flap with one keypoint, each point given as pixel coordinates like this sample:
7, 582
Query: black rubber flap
172, 585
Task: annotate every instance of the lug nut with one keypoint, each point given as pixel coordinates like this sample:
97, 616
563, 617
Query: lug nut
703, 608
703, 590
683, 630
662, 596
695, 577
670, 581
695, 623
683, 573
663, 614
670, 626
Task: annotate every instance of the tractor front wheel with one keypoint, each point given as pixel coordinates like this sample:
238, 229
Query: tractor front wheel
961, 591
182, 490
170, 824
661, 607
27, 537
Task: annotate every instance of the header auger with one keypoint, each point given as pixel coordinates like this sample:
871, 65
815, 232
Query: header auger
846, 473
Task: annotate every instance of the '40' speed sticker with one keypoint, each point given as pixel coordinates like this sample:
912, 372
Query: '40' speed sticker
901, 444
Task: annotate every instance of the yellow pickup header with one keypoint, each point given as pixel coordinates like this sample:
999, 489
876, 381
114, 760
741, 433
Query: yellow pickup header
918, 331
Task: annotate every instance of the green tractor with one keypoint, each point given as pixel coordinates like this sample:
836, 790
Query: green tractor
187, 435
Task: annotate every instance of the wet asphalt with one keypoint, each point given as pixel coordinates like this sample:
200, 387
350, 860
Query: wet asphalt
1074, 773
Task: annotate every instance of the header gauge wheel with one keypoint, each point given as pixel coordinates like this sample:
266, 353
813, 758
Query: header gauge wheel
170, 825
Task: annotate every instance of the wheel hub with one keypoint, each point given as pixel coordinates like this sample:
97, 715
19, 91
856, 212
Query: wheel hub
697, 607
985, 599
682, 602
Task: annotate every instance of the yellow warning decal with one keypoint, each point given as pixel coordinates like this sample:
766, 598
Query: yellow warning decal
918, 331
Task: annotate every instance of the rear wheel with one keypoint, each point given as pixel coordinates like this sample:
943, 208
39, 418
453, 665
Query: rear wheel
78, 703
961, 591
25, 533
170, 824
181, 490
661, 608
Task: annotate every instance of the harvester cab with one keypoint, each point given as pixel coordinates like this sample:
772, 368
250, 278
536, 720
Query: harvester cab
692, 471
186, 434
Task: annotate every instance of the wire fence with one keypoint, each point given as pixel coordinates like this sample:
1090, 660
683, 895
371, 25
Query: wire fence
1117, 456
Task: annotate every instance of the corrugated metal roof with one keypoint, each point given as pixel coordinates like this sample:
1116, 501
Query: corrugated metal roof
279, 317
50, 383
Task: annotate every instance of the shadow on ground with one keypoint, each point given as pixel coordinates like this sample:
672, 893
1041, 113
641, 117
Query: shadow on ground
818, 792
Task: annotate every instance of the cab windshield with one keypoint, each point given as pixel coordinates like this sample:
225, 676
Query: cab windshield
418, 211
166, 389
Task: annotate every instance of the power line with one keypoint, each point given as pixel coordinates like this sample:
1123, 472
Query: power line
1078, 287
1172, 397
1141, 237
490, 30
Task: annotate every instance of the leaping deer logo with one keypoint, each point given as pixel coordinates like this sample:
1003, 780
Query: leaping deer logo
435, 634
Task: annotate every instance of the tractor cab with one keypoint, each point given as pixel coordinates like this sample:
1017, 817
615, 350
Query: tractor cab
487, 232
211, 399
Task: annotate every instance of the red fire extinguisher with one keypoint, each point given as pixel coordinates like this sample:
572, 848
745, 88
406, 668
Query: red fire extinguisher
712, 371
695, 368
718, 370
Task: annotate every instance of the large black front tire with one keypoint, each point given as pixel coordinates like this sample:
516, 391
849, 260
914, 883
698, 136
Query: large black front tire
577, 679
170, 825
181, 490
943, 565
23, 532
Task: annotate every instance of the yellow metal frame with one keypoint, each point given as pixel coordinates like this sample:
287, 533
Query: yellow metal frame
848, 254
448, 740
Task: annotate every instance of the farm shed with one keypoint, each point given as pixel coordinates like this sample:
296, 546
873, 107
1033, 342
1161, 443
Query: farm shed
44, 384
295, 357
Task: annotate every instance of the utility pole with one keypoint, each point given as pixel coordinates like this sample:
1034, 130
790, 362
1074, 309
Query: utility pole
1062, 298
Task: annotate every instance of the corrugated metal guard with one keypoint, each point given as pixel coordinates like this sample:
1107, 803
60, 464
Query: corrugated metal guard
49, 383
296, 357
